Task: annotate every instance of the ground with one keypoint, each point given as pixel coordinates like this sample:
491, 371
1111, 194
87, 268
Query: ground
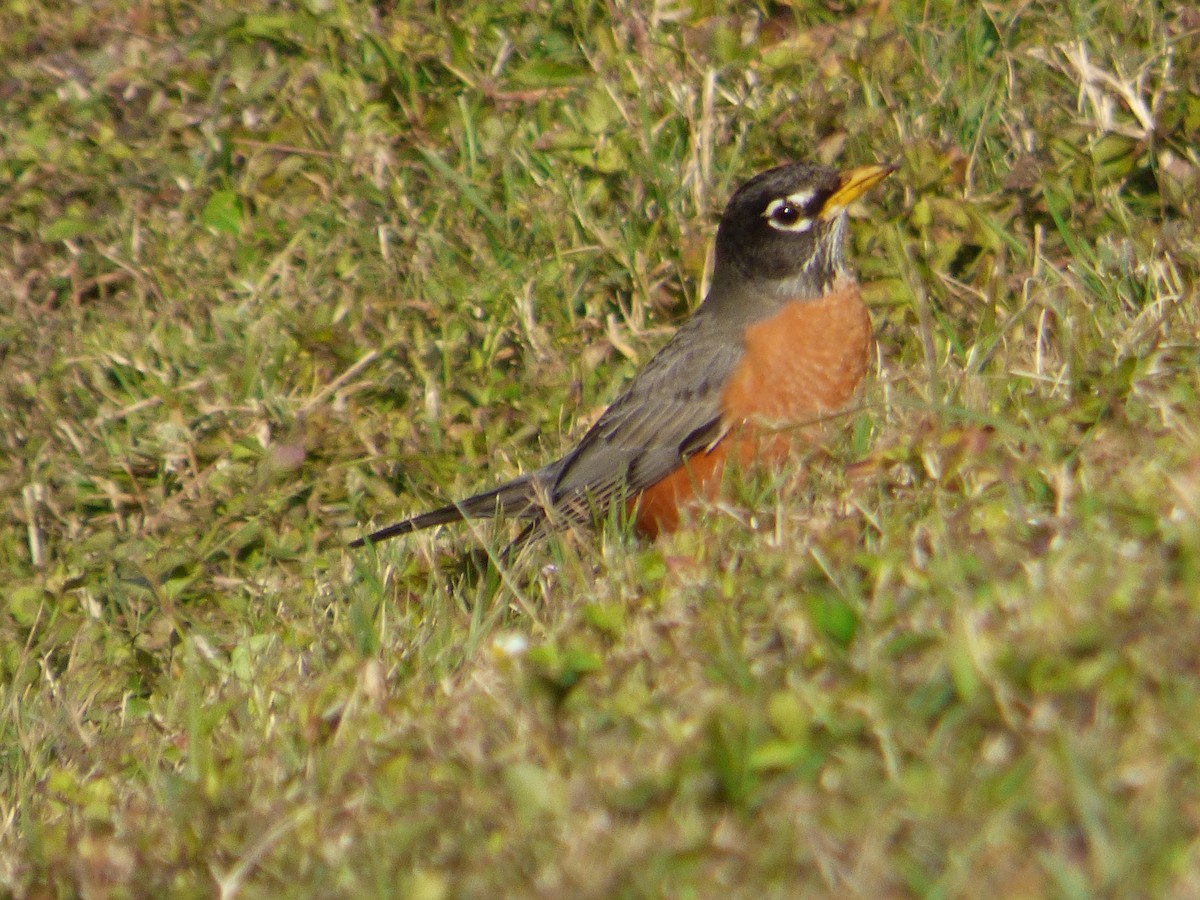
272, 273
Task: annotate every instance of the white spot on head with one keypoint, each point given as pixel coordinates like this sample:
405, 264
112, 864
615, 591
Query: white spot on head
801, 198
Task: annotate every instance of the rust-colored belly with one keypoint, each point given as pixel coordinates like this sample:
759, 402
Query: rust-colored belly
800, 365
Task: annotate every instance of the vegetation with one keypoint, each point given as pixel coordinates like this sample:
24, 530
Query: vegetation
272, 273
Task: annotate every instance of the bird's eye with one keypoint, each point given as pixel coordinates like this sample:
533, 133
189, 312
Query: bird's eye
784, 214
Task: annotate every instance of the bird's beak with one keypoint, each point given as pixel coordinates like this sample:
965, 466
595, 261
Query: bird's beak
852, 184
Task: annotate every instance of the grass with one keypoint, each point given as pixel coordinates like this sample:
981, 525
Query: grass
271, 275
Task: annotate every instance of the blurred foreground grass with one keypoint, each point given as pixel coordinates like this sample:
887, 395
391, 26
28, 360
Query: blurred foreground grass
269, 274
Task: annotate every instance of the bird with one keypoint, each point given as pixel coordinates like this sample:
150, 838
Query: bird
781, 340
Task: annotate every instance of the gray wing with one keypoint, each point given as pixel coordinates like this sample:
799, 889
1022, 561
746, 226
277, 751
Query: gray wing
669, 411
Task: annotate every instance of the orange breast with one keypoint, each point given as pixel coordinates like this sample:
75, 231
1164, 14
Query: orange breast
799, 365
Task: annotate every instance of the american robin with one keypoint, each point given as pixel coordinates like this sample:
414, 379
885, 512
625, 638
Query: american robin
782, 340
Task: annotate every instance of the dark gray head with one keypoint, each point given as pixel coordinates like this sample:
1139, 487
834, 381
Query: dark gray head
784, 227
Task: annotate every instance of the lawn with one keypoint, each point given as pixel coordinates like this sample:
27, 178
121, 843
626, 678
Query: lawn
272, 274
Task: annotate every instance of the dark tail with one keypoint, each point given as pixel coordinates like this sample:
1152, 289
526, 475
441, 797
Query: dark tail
514, 499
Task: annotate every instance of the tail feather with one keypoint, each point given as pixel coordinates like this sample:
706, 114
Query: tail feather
513, 499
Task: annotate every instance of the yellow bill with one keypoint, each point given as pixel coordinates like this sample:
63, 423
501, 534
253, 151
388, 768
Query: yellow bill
853, 183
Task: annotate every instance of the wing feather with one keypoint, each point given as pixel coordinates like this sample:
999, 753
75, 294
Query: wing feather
670, 410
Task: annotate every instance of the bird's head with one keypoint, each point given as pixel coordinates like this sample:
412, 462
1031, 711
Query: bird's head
783, 228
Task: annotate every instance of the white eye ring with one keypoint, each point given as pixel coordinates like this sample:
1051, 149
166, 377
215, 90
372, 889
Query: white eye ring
801, 198
778, 205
